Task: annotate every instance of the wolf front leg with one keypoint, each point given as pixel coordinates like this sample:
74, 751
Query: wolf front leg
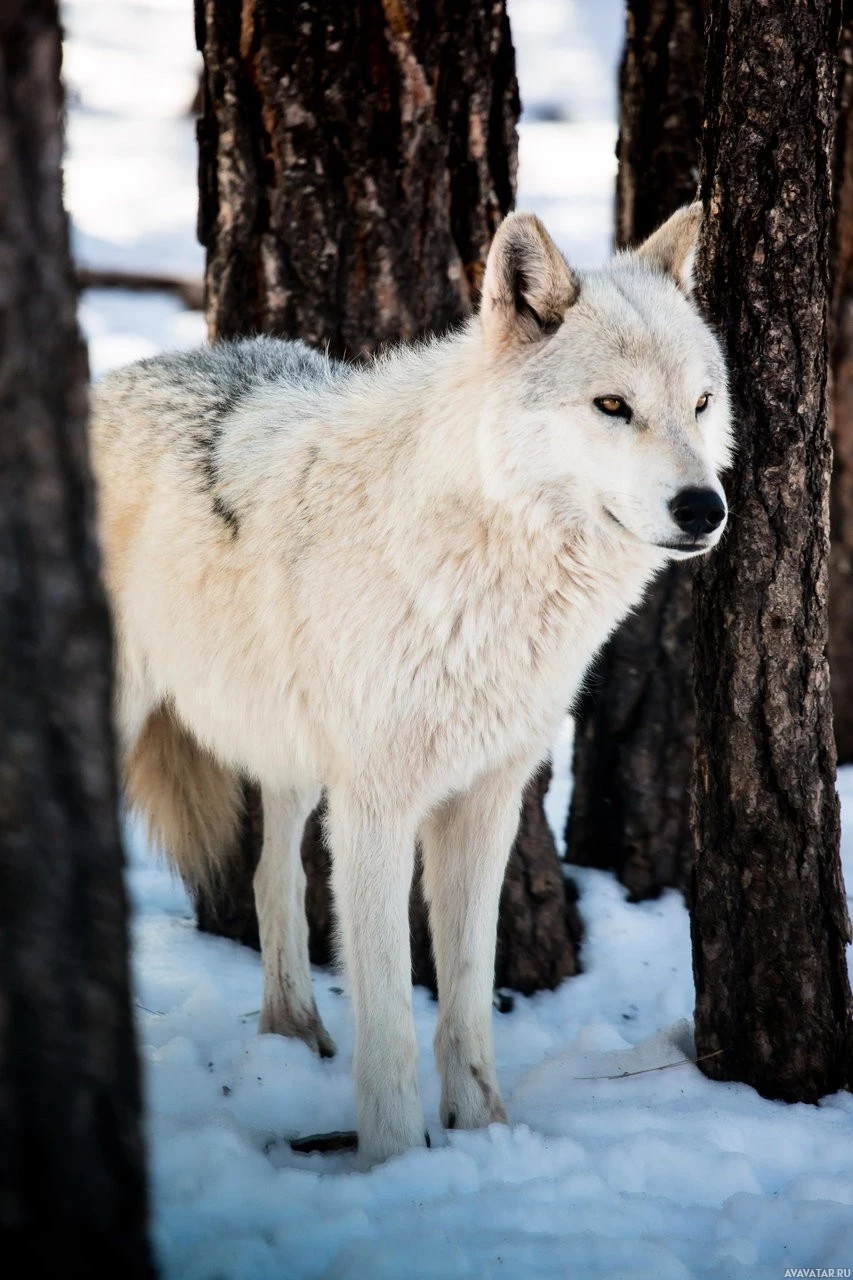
466, 844
372, 861
289, 1008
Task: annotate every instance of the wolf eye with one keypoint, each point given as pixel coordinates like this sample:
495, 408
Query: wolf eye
702, 403
613, 406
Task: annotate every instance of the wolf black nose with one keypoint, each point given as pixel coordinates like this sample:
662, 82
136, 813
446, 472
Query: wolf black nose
697, 511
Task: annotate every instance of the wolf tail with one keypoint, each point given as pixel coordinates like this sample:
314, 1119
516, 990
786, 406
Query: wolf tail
193, 806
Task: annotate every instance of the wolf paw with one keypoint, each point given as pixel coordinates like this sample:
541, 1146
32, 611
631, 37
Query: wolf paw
375, 1146
471, 1101
302, 1025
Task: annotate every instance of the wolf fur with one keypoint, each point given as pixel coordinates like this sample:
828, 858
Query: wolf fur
388, 582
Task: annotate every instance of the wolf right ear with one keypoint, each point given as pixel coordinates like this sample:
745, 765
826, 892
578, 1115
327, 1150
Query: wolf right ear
672, 248
528, 285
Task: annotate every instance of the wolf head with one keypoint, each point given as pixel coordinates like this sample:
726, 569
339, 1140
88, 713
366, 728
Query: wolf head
606, 390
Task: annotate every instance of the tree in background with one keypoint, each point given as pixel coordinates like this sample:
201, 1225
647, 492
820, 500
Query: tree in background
841, 361
635, 726
72, 1184
355, 161
770, 922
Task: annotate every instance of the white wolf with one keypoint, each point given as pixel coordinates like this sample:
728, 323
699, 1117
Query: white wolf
388, 582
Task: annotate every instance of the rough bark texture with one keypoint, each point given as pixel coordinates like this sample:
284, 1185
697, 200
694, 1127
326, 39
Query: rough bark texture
770, 922
539, 929
635, 726
633, 755
841, 359
355, 161
660, 113
72, 1186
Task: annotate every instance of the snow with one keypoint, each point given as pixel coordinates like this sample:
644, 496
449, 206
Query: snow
122, 326
131, 71
566, 54
613, 1167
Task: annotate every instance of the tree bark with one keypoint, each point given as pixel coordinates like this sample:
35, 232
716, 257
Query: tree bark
841, 360
770, 922
355, 161
72, 1184
660, 113
635, 727
633, 754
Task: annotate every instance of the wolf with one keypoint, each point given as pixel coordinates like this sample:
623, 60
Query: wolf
388, 581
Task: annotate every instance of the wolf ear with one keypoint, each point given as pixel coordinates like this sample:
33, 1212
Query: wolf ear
672, 248
528, 286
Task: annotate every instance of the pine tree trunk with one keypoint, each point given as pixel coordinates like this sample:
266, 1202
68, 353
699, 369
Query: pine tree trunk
72, 1184
633, 754
355, 161
841, 358
660, 113
770, 921
635, 727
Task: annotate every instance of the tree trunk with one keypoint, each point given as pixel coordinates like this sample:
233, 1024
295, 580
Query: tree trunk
355, 161
770, 922
633, 755
660, 113
72, 1184
841, 359
635, 727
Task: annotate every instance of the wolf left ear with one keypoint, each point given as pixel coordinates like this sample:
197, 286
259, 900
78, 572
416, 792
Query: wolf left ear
528, 286
672, 248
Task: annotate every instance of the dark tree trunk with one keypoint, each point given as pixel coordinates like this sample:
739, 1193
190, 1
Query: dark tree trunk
635, 726
539, 930
770, 922
72, 1184
660, 113
633, 756
230, 912
355, 161
841, 359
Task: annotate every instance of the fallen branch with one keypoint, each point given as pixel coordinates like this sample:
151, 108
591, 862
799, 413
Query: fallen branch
190, 292
341, 1140
665, 1066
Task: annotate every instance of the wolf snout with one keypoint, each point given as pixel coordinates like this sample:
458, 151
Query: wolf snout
698, 512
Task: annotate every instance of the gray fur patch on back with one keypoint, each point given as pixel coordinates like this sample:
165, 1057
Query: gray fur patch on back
217, 378
230, 370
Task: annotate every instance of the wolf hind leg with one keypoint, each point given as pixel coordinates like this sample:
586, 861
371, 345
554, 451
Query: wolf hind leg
289, 1008
465, 845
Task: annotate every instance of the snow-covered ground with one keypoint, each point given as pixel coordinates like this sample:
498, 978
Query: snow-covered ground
613, 1167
